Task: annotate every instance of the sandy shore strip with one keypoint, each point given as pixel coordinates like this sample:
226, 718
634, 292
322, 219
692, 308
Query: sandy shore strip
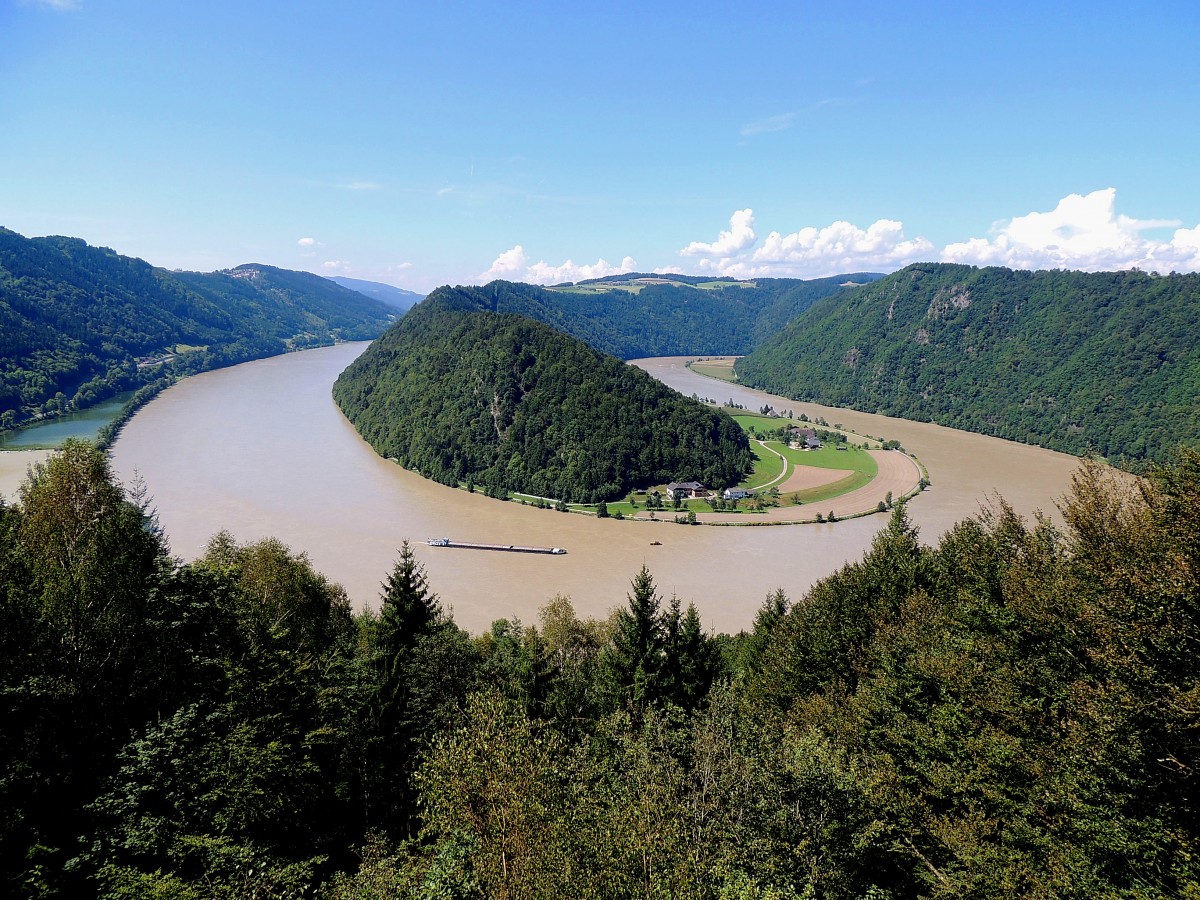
14, 465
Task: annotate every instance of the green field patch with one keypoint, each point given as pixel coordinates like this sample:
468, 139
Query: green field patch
720, 372
829, 457
768, 467
598, 288
759, 423
721, 285
851, 482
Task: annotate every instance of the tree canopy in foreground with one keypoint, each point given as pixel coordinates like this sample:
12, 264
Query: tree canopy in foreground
1014, 711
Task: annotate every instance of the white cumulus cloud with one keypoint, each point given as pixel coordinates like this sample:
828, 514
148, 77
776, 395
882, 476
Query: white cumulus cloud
508, 265
840, 247
728, 243
1081, 232
810, 252
514, 265
307, 242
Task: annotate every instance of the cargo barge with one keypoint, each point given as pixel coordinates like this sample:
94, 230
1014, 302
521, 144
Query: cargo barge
510, 548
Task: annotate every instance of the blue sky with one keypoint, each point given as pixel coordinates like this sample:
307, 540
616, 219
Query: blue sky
450, 142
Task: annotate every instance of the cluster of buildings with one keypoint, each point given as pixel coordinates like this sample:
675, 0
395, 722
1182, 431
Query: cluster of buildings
694, 490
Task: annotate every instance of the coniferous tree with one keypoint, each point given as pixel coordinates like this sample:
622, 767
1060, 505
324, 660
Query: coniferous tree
636, 655
423, 668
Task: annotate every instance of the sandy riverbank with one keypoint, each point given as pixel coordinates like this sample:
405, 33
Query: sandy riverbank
14, 464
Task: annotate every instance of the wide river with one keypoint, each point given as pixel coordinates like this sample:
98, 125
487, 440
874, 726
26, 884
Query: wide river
261, 450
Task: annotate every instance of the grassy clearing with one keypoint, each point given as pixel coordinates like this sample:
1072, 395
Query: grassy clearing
598, 288
722, 285
747, 421
768, 467
720, 369
853, 460
851, 482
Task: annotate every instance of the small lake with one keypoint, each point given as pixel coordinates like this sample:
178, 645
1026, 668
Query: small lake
261, 449
85, 425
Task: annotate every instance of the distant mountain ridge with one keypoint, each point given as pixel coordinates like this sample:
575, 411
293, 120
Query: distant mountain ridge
1101, 363
668, 315
79, 323
465, 394
393, 296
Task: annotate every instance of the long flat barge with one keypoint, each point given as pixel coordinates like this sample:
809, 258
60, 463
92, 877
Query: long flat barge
510, 548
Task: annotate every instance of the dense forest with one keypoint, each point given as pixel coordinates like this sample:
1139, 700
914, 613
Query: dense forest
1089, 363
1014, 711
661, 319
79, 324
506, 403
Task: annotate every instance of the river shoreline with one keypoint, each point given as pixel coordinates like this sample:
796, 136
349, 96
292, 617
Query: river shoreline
261, 450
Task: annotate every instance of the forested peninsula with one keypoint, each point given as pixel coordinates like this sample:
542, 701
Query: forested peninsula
498, 401
1014, 712
1100, 363
79, 324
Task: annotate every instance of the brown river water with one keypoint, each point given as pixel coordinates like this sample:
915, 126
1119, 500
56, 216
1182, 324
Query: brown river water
261, 450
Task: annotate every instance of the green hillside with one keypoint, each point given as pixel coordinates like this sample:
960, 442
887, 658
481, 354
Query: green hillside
79, 324
1103, 363
500, 400
633, 316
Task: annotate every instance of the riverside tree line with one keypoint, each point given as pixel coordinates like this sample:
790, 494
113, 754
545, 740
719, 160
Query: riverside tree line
1013, 711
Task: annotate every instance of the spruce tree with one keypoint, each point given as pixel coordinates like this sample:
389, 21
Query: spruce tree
410, 611
636, 658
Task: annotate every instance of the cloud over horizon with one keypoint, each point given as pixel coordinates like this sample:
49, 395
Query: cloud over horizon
514, 265
1081, 232
728, 243
808, 253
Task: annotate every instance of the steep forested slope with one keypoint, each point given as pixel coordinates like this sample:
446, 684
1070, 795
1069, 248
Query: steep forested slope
510, 404
1102, 363
74, 320
660, 318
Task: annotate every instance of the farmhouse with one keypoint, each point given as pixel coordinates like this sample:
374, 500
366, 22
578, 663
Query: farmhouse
736, 494
681, 490
803, 438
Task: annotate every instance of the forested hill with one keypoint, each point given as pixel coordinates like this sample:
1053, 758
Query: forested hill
1103, 363
633, 316
508, 403
81, 323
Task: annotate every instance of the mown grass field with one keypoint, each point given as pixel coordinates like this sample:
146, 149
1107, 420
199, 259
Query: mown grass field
715, 368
